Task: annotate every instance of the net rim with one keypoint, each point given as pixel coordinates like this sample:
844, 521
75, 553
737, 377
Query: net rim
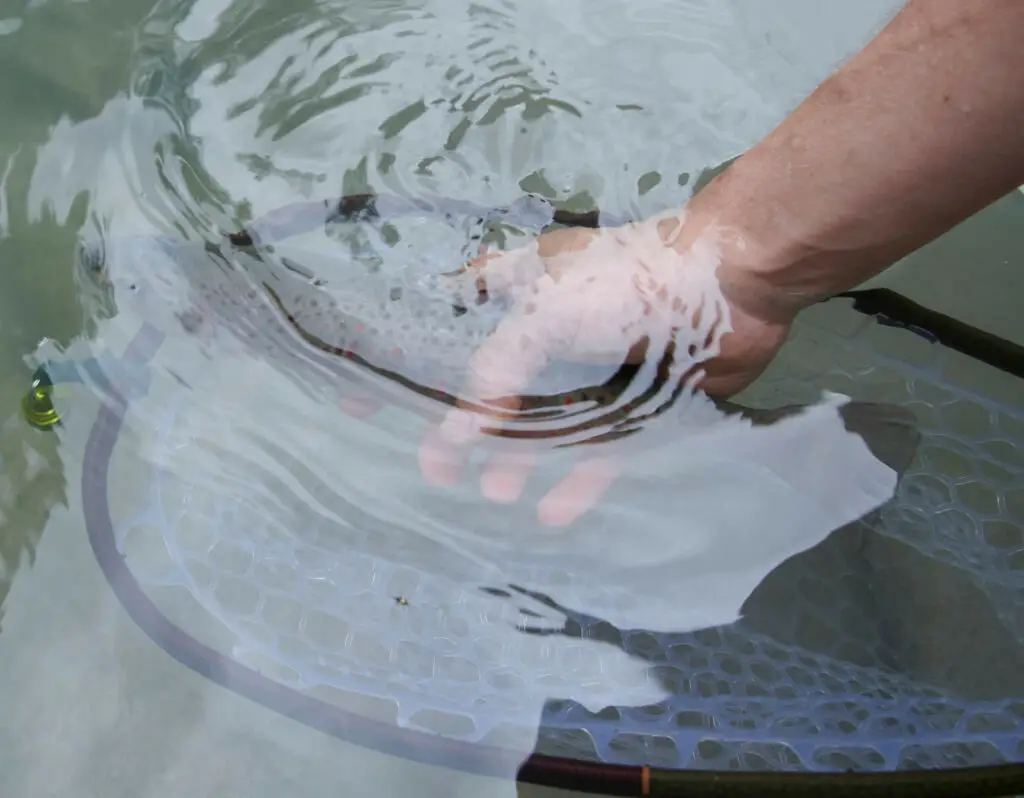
433, 749
487, 760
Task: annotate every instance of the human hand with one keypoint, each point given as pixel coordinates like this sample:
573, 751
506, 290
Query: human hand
612, 295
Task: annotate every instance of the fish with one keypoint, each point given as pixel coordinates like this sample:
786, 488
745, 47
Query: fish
406, 334
795, 473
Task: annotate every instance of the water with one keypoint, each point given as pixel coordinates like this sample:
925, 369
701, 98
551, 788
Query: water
185, 118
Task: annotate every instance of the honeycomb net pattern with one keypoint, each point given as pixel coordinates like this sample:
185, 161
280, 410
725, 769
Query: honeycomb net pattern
898, 643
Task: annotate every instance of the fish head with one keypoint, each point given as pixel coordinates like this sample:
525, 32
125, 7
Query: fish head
317, 316
139, 276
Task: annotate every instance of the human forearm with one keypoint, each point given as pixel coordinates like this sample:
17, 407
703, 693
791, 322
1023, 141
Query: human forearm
918, 131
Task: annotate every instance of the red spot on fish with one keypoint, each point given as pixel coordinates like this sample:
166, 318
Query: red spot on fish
568, 400
396, 351
359, 328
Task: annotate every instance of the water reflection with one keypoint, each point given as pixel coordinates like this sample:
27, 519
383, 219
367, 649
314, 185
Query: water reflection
337, 98
309, 551
40, 220
31, 486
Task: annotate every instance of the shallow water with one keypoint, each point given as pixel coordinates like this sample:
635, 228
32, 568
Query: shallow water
302, 545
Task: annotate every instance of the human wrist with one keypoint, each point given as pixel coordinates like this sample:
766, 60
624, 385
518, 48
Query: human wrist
916, 133
753, 255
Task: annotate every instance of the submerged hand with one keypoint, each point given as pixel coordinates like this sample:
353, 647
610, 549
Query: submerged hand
605, 296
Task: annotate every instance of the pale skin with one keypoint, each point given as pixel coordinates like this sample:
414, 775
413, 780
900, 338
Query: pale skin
918, 131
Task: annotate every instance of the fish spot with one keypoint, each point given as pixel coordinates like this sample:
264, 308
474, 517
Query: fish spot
191, 320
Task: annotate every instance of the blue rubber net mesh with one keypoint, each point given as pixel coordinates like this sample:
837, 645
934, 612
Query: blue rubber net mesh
895, 644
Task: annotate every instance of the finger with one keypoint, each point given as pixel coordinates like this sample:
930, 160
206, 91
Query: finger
498, 272
505, 476
476, 265
502, 272
499, 372
582, 489
440, 464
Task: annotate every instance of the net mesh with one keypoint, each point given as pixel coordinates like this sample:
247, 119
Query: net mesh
895, 644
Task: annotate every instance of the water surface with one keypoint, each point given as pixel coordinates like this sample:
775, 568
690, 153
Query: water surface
184, 118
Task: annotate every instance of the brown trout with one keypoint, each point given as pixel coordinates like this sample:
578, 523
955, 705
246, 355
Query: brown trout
414, 330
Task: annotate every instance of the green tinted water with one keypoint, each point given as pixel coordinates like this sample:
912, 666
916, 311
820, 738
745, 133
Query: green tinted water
642, 101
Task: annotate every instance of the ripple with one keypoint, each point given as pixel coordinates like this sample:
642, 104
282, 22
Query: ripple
472, 100
310, 538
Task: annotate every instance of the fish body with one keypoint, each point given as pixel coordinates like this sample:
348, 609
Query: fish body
745, 500
408, 332
417, 328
